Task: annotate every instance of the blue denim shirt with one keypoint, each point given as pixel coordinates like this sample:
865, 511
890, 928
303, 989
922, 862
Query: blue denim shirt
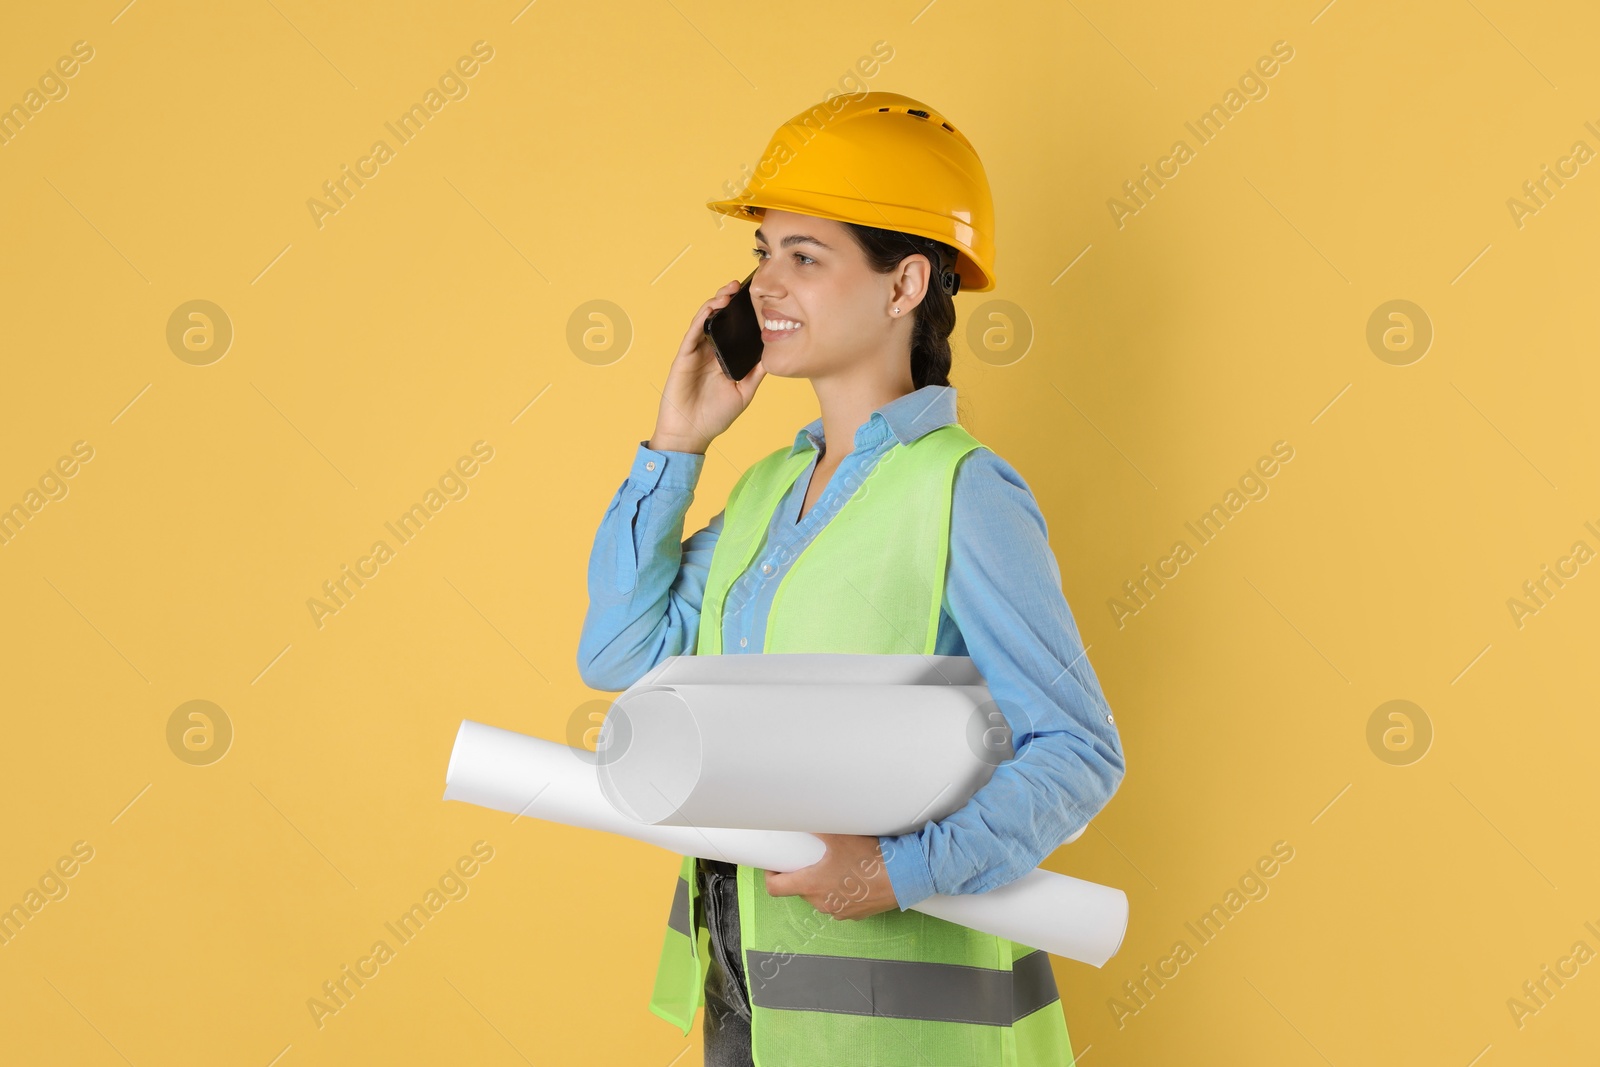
1002, 606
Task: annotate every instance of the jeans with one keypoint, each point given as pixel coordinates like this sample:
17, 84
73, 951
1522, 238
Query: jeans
726, 1025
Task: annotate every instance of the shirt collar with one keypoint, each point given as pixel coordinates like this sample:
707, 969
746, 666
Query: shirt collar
906, 417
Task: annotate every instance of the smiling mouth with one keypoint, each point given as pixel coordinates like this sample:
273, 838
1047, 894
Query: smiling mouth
775, 329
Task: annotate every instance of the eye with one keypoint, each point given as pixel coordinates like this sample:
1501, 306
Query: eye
761, 254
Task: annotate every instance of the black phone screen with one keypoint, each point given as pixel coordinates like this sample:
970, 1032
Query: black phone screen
736, 334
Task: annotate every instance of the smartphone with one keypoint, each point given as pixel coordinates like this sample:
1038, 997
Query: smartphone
735, 334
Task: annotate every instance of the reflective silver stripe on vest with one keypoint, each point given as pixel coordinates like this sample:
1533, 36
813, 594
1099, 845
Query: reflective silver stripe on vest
1034, 983
678, 918
901, 989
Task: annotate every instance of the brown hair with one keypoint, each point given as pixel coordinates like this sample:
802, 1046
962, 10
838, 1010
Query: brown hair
935, 316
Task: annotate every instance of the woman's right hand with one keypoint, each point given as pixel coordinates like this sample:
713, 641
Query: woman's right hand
699, 401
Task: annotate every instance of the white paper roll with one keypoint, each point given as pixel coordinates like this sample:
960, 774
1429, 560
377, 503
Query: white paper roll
739, 740
814, 668
521, 775
837, 759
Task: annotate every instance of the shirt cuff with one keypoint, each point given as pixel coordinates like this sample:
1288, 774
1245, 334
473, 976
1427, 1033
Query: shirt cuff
658, 466
907, 865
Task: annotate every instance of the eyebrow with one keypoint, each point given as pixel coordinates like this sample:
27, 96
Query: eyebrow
793, 239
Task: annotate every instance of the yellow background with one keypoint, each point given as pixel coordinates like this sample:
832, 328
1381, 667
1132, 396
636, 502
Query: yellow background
369, 354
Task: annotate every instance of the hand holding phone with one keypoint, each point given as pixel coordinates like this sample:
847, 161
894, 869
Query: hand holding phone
701, 399
735, 333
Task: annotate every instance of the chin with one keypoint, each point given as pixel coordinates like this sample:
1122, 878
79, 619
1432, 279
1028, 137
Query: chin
783, 364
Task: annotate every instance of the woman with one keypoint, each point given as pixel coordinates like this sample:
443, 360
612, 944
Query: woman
886, 528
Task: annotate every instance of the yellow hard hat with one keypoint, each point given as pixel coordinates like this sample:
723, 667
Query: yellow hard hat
884, 160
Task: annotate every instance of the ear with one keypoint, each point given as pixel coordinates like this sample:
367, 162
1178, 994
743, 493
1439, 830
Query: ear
911, 283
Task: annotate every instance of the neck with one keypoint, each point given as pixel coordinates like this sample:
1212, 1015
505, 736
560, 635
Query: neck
848, 401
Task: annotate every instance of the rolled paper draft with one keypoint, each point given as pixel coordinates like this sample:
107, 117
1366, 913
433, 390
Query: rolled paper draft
837, 759
804, 669
814, 668
521, 775
701, 740
791, 669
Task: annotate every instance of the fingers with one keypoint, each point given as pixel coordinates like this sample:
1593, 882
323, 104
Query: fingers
720, 299
694, 341
691, 338
724, 296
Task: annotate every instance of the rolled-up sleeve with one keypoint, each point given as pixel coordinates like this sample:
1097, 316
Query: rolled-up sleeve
1003, 592
645, 584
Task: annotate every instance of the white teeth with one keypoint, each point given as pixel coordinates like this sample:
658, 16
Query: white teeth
780, 324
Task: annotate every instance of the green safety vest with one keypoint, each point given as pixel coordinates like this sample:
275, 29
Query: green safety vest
899, 987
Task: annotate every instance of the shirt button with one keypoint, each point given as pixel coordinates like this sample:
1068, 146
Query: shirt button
650, 465
1109, 719
766, 568
743, 641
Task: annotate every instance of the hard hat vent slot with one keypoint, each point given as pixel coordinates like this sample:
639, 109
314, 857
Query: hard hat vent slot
914, 111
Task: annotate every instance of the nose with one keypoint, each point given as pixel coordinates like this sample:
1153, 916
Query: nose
765, 282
